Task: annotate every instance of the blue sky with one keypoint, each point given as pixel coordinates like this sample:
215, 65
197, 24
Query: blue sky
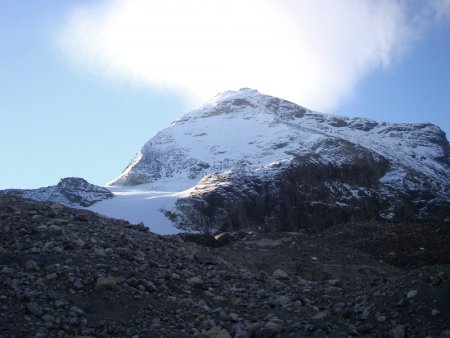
84, 84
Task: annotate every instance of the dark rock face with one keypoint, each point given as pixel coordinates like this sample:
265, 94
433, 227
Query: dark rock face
309, 193
70, 191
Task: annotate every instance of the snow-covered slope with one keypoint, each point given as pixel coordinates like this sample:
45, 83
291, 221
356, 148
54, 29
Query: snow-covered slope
246, 130
140, 204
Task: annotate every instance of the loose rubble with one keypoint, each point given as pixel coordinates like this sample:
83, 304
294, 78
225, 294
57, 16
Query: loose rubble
72, 273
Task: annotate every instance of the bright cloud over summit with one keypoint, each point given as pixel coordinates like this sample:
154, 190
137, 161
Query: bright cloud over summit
89, 81
311, 52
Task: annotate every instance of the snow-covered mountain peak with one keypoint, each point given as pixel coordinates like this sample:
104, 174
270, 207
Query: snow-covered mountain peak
245, 130
230, 95
244, 103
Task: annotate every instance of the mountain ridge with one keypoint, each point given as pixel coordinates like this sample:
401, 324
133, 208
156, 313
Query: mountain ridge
253, 161
250, 105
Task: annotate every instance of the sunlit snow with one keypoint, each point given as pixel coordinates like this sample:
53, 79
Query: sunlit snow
141, 204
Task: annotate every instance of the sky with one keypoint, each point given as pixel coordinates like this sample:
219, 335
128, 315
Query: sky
84, 84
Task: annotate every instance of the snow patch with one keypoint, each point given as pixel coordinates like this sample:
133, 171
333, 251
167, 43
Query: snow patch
138, 204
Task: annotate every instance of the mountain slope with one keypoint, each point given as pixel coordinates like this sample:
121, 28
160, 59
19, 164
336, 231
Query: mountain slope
267, 163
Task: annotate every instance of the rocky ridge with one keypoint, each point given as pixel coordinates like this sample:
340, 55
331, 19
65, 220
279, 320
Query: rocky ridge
72, 273
70, 191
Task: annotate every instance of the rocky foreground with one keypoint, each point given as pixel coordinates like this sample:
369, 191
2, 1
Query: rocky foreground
68, 273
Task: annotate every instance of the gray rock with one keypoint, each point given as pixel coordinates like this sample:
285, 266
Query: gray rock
411, 294
435, 312
223, 333
278, 273
270, 329
59, 303
55, 228
34, 309
195, 281
37, 218
381, 319
78, 284
77, 310
80, 242
156, 323
321, 315
279, 300
100, 252
397, 332
48, 318
31, 265
105, 283
239, 331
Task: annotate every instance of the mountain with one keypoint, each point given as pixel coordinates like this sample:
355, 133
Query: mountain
70, 191
257, 161
247, 161
246, 130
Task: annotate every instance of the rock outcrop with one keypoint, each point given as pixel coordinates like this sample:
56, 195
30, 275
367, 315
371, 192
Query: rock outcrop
70, 191
306, 193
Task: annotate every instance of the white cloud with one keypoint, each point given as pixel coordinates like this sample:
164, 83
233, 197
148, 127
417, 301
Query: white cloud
311, 52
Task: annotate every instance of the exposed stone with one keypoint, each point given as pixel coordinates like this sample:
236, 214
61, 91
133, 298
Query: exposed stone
34, 308
223, 333
435, 312
279, 300
411, 294
105, 283
269, 330
51, 276
31, 265
321, 315
278, 273
397, 332
80, 242
77, 310
195, 281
